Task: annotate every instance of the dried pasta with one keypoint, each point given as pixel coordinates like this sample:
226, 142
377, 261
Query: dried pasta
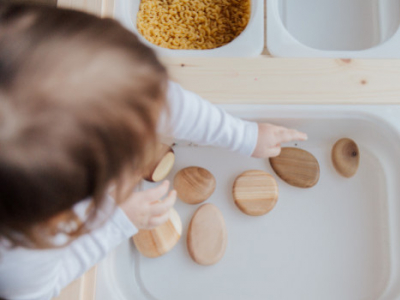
192, 24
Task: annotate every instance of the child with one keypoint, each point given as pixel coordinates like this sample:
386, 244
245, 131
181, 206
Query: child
82, 103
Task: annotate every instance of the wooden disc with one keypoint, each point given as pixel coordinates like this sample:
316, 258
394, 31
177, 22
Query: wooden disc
297, 167
207, 236
194, 184
162, 165
255, 192
160, 240
346, 157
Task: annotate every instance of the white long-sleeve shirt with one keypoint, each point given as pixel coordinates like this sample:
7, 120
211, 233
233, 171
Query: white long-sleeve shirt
41, 274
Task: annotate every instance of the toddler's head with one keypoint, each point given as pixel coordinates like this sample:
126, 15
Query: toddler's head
79, 103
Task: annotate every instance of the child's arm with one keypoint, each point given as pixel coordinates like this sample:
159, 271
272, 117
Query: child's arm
195, 119
41, 274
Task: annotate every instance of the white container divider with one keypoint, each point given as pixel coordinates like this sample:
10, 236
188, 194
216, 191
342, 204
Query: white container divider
337, 240
334, 28
249, 43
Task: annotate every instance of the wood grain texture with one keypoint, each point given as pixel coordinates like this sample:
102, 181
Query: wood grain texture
194, 184
346, 157
255, 192
207, 235
160, 240
263, 79
297, 167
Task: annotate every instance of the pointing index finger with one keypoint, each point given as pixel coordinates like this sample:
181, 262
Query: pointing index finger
289, 135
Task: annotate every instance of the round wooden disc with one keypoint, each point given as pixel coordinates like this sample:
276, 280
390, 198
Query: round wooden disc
255, 192
194, 184
160, 240
297, 167
346, 157
207, 236
161, 166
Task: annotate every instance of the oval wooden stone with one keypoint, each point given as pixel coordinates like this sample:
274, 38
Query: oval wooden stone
297, 167
255, 192
346, 157
162, 165
207, 236
160, 240
194, 184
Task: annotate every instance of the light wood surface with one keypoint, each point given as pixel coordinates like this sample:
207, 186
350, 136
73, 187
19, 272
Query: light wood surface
297, 167
207, 235
194, 184
160, 240
346, 157
255, 192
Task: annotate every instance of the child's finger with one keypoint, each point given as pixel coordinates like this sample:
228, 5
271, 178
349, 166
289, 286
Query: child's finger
159, 220
275, 151
162, 207
158, 192
288, 135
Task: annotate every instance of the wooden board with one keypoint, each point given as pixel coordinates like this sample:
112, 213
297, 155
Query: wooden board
297, 167
207, 235
255, 192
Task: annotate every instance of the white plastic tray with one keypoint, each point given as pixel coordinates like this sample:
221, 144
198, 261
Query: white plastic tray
334, 28
249, 43
338, 240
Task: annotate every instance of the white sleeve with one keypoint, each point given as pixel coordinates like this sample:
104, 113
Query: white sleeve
90, 248
194, 119
41, 274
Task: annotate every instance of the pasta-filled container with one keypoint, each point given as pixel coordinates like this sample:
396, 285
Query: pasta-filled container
202, 28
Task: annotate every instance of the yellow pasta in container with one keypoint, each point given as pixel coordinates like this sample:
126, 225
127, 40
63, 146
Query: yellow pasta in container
192, 24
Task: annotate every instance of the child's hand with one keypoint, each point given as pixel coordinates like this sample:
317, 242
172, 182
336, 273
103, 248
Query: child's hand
270, 138
146, 210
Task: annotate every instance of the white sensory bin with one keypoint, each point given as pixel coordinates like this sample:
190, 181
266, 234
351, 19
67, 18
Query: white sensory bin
334, 28
337, 240
249, 43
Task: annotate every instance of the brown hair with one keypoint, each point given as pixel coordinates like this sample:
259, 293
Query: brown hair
79, 101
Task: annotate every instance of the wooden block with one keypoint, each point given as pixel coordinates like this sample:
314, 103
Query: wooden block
255, 192
207, 235
297, 167
194, 185
160, 240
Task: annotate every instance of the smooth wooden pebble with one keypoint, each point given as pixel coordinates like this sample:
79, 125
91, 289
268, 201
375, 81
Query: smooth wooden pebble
297, 167
207, 235
163, 164
346, 157
194, 184
255, 192
160, 240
